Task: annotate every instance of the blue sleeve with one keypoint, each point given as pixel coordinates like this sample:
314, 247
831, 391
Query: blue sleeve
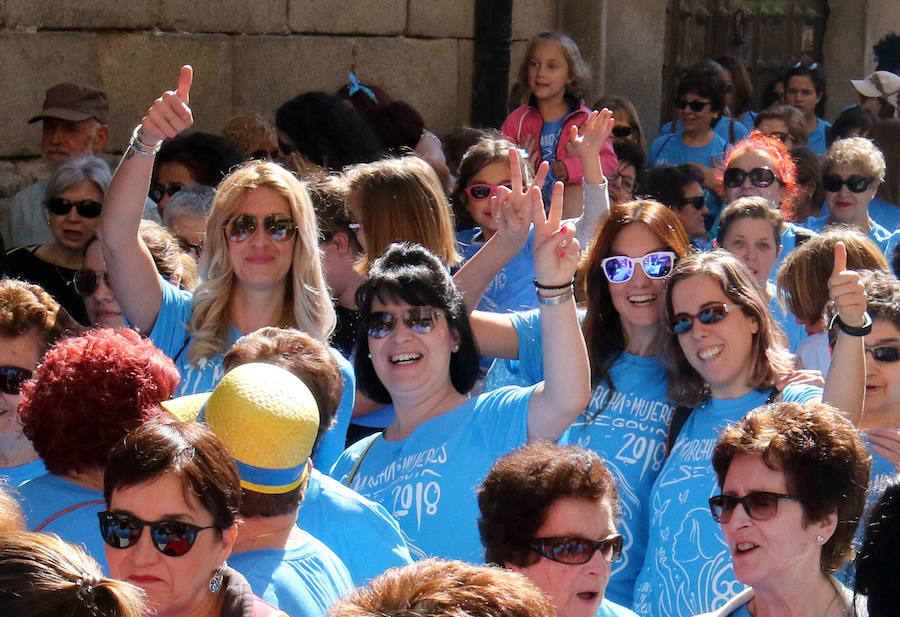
531, 350
169, 333
334, 440
656, 148
801, 393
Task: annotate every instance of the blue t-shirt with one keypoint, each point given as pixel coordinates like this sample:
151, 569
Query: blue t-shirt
550, 132
303, 581
512, 289
817, 137
627, 426
612, 609
669, 149
428, 480
45, 496
722, 128
748, 120
687, 569
14, 476
788, 322
885, 240
360, 532
882, 212
170, 335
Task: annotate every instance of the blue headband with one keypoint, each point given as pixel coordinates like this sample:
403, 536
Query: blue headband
356, 86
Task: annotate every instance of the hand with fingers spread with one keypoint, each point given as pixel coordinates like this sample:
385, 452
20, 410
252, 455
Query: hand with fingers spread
588, 141
808, 377
555, 248
170, 114
512, 207
847, 290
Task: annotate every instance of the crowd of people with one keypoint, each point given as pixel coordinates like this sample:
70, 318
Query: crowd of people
336, 365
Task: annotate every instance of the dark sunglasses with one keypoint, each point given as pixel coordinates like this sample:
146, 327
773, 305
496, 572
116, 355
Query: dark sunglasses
760, 177
656, 265
86, 208
171, 538
419, 319
87, 281
12, 378
157, 190
280, 227
576, 551
683, 322
885, 355
622, 131
193, 250
857, 184
759, 505
699, 202
484, 191
696, 106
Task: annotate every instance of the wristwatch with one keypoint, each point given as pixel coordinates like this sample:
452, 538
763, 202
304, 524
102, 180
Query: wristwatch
862, 330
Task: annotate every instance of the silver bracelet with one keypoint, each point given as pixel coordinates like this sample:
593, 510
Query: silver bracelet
554, 300
139, 146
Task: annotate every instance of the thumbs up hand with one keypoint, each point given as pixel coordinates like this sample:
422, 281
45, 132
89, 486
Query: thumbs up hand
170, 114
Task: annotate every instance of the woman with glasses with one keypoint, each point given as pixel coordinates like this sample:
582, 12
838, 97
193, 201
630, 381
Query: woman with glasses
172, 495
792, 480
726, 357
627, 126
549, 512
626, 418
851, 172
74, 200
784, 122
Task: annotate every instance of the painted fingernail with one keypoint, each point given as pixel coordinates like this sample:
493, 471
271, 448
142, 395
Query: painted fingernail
562, 255
564, 230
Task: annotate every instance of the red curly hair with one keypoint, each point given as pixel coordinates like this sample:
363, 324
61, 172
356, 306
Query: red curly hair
88, 392
770, 147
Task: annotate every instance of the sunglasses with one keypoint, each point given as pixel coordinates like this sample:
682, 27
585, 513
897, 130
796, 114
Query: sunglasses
419, 319
157, 190
280, 227
857, 184
87, 281
12, 378
622, 131
86, 208
656, 265
885, 355
576, 551
193, 250
484, 191
760, 177
171, 538
759, 505
696, 105
683, 322
699, 202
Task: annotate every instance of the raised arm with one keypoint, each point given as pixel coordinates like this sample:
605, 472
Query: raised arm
566, 387
587, 142
131, 269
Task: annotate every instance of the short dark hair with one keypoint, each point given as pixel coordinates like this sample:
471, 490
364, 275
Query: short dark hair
876, 562
887, 53
522, 486
411, 273
823, 458
208, 157
630, 152
815, 74
189, 450
853, 119
705, 80
267, 505
666, 184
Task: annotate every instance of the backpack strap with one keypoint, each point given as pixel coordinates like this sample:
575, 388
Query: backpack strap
676, 423
352, 475
95, 502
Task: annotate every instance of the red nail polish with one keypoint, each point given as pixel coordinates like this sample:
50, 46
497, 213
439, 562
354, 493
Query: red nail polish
562, 255
564, 230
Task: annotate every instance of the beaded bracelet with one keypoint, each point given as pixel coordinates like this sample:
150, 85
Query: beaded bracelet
139, 146
540, 285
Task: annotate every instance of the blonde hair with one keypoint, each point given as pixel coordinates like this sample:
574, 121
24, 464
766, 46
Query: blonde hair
402, 200
307, 304
855, 152
11, 517
42, 576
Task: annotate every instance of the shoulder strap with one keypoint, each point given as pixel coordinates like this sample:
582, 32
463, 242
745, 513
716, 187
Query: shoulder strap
355, 470
95, 502
676, 423
731, 130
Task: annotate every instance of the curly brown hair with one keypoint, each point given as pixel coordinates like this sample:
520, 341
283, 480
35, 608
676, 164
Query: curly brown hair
25, 308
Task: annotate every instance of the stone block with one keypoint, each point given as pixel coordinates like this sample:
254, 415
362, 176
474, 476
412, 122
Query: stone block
530, 17
516, 56
93, 14
464, 91
442, 18
29, 64
348, 16
269, 70
136, 68
237, 16
424, 73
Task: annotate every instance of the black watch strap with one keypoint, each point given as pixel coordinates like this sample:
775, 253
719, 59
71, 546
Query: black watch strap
862, 330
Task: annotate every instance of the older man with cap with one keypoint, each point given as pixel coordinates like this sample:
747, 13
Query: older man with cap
268, 418
878, 93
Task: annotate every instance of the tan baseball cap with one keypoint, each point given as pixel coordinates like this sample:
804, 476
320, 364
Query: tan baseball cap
880, 84
73, 102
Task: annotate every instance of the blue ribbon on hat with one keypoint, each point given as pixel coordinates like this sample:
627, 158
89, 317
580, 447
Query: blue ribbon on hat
356, 86
263, 476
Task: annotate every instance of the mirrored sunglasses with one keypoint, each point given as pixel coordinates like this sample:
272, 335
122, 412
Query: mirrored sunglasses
87, 281
576, 551
759, 505
484, 191
656, 265
760, 177
683, 322
419, 320
885, 354
857, 184
696, 106
86, 208
280, 227
171, 538
12, 378
622, 131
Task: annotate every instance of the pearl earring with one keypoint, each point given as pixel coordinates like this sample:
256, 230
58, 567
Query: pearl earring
820, 539
455, 348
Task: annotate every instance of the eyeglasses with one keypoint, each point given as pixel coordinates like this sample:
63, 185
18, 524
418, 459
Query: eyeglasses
885, 355
857, 184
157, 190
419, 319
683, 322
171, 538
699, 202
695, 105
281, 227
12, 378
782, 137
759, 505
656, 265
87, 281
484, 191
622, 131
86, 208
576, 551
760, 177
